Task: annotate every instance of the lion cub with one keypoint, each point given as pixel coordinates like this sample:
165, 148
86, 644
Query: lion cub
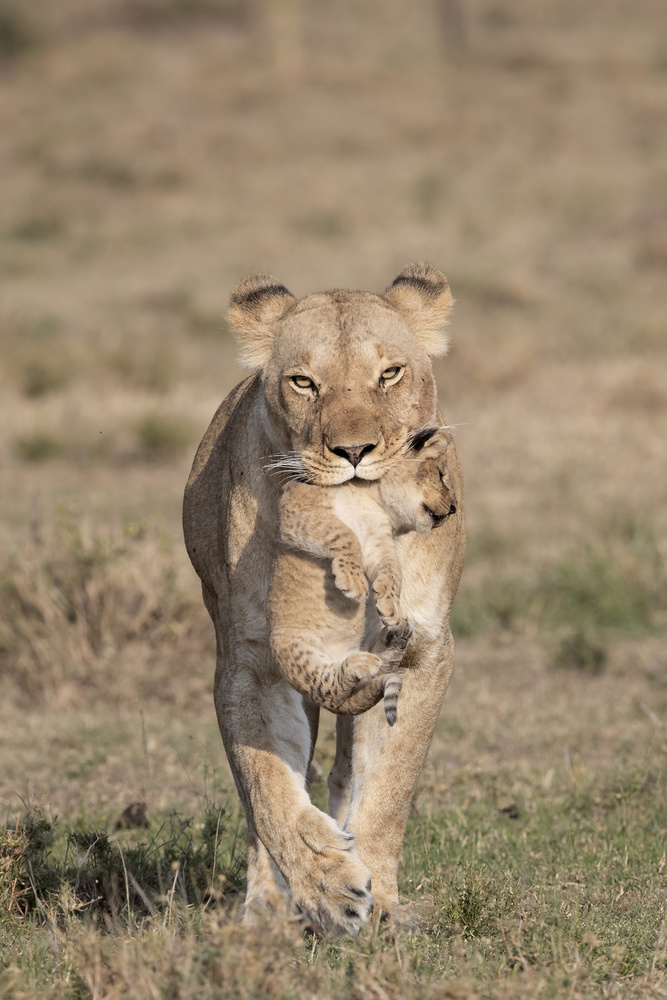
316, 631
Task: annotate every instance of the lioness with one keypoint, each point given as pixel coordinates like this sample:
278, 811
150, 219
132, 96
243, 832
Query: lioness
317, 644
340, 382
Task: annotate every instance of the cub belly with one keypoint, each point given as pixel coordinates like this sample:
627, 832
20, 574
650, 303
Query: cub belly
305, 601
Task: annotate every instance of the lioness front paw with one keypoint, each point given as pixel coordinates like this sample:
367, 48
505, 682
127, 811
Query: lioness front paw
350, 578
332, 891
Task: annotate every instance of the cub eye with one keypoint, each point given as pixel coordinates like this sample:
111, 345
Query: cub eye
391, 375
303, 382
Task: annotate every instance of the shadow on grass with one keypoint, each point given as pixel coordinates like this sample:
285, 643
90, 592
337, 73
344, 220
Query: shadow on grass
49, 871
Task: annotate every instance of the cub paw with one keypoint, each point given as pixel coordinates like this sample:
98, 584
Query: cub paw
350, 578
359, 666
397, 638
385, 590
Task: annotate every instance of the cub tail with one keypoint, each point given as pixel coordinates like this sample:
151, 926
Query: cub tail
392, 689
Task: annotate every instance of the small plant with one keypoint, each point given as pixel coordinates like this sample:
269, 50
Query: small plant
38, 446
580, 651
466, 907
156, 13
24, 847
16, 33
41, 376
39, 228
472, 903
162, 436
111, 172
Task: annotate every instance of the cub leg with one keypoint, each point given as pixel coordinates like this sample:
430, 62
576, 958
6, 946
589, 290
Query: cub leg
307, 524
385, 685
267, 737
384, 572
304, 662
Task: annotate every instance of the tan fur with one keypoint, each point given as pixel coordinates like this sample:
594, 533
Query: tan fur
353, 525
266, 431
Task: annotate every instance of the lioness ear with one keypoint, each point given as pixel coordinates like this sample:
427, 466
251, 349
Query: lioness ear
255, 306
422, 294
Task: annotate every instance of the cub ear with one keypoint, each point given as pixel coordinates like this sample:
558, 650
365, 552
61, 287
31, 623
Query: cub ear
422, 294
430, 440
417, 440
255, 306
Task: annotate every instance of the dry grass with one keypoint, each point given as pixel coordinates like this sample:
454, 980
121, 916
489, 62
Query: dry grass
88, 615
153, 154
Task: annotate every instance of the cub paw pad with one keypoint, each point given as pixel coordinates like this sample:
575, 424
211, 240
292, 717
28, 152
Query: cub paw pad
397, 638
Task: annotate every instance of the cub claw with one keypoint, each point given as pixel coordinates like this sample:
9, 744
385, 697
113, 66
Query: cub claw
397, 638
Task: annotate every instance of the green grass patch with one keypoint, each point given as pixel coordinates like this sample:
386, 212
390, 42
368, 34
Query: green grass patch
17, 34
617, 583
42, 375
39, 229
563, 893
38, 446
46, 868
165, 13
162, 436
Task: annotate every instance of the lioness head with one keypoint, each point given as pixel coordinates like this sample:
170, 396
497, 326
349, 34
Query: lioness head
347, 375
417, 493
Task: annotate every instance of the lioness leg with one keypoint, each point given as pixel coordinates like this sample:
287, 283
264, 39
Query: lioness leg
266, 889
267, 737
339, 779
386, 763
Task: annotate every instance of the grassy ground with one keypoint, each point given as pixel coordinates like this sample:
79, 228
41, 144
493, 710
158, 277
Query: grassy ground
152, 154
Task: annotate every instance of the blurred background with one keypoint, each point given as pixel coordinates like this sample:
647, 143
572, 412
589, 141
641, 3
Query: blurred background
153, 153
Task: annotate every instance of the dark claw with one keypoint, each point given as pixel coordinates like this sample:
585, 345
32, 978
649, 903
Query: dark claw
397, 638
350, 912
394, 640
358, 892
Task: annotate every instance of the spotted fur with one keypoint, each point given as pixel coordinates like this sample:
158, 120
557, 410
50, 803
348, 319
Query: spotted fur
328, 651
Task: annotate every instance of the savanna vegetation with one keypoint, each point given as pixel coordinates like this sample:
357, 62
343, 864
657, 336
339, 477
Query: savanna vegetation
154, 152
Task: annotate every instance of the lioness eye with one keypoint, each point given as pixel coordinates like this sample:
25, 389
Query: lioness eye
303, 382
390, 375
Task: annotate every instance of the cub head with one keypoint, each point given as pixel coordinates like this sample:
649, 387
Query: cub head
417, 493
346, 376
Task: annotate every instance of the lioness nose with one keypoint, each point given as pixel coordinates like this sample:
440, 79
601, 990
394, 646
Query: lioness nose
353, 453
